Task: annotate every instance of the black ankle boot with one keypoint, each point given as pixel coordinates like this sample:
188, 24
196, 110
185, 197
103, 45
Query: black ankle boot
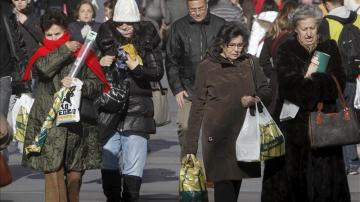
131, 192
111, 183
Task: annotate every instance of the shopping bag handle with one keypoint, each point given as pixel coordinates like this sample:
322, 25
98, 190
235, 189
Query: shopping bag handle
188, 159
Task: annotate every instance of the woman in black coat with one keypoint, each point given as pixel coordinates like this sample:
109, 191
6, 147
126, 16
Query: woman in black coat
307, 175
130, 52
85, 14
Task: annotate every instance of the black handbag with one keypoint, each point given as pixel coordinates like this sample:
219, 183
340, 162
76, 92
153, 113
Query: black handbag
333, 129
88, 111
114, 101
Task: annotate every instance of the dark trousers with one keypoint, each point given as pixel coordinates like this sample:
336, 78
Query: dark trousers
227, 190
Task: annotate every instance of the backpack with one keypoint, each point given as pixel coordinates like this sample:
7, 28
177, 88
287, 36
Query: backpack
347, 36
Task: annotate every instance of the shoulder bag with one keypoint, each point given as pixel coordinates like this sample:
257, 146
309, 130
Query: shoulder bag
161, 108
333, 129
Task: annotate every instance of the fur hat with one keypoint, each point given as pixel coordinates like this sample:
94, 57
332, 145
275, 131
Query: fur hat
126, 11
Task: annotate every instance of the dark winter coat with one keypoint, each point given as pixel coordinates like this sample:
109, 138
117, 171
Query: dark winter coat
267, 60
17, 48
216, 110
74, 146
305, 174
31, 31
74, 29
186, 48
140, 111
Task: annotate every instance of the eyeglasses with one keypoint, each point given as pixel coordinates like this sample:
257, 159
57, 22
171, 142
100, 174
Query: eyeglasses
197, 10
234, 45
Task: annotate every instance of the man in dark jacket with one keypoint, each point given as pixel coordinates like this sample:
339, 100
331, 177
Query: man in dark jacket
331, 28
12, 56
125, 139
186, 47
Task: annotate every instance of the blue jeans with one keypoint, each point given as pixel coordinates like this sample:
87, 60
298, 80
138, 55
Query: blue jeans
5, 93
351, 158
127, 149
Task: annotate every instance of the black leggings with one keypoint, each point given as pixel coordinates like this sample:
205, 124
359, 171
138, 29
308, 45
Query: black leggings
227, 190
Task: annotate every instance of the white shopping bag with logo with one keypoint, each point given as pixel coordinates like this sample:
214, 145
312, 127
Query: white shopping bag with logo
69, 109
19, 114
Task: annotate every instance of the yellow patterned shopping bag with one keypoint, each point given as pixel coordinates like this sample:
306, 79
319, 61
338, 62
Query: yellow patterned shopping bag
272, 140
192, 182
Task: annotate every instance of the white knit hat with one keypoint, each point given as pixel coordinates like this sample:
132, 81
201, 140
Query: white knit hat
268, 16
126, 11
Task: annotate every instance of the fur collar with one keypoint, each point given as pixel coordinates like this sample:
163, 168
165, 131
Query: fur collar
296, 50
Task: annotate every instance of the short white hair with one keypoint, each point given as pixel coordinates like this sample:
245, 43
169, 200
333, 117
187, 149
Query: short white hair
306, 11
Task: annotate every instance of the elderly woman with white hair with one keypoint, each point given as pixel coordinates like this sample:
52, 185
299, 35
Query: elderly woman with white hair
307, 174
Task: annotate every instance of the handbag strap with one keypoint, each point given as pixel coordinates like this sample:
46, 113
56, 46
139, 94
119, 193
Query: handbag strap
252, 64
342, 100
162, 90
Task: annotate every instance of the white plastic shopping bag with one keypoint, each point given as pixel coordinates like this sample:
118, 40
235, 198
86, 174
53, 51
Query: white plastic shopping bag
259, 138
19, 114
248, 141
357, 94
69, 109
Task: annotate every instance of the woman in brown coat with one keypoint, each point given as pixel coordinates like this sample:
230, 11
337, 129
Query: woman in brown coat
224, 89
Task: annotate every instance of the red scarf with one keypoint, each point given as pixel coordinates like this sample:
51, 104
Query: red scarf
48, 46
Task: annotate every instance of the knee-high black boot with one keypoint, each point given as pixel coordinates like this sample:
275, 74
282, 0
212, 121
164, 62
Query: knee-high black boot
131, 192
111, 183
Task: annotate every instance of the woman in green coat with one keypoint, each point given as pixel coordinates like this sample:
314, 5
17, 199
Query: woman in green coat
72, 148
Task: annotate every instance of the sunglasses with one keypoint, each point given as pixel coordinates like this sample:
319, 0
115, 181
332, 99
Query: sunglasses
117, 24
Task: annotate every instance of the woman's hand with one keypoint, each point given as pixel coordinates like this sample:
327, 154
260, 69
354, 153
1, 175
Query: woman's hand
21, 17
312, 67
67, 81
73, 46
248, 101
132, 63
107, 60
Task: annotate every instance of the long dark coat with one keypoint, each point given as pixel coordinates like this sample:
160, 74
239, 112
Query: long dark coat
216, 106
305, 174
75, 146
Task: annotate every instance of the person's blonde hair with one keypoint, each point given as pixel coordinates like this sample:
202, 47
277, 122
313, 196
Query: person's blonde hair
282, 22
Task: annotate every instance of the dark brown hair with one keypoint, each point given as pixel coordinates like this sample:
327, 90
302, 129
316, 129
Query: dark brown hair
110, 4
53, 17
76, 11
227, 32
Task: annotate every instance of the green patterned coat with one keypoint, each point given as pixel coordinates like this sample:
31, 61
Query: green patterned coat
75, 146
